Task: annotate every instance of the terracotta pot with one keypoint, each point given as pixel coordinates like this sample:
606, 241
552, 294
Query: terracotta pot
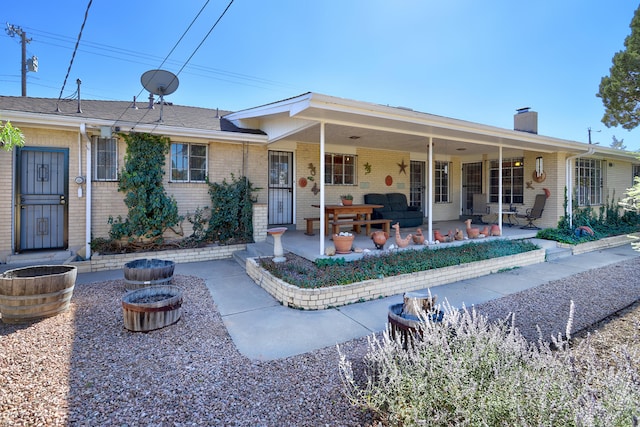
343, 244
347, 202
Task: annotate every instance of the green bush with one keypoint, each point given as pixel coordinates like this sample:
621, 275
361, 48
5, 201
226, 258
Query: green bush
231, 218
466, 371
611, 219
324, 272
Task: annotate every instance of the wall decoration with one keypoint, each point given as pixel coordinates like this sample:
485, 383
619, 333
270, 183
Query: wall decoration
367, 168
403, 167
529, 185
388, 180
312, 172
539, 177
302, 182
315, 190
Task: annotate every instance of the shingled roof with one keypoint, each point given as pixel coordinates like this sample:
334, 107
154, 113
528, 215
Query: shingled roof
125, 114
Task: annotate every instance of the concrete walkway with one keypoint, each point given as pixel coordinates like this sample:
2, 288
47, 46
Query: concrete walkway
262, 329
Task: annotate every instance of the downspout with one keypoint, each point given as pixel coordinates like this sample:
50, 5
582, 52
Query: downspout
569, 182
87, 203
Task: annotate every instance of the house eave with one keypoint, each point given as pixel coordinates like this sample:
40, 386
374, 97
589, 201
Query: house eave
73, 123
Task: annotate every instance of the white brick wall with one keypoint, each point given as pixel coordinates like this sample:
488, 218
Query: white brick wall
322, 298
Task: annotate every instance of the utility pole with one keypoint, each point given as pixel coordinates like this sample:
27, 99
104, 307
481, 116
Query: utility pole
12, 30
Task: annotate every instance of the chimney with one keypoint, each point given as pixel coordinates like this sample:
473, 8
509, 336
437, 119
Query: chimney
525, 120
151, 107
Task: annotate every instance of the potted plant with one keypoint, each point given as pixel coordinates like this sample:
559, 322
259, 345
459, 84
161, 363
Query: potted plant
347, 199
343, 242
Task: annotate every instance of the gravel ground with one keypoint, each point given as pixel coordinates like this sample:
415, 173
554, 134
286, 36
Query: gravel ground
83, 368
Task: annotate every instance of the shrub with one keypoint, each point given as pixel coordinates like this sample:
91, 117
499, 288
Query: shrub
231, 217
467, 371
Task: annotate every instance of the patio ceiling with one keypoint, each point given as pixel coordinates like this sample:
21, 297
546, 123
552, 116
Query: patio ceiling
368, 125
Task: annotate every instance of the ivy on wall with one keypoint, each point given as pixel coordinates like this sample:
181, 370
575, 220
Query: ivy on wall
151, 210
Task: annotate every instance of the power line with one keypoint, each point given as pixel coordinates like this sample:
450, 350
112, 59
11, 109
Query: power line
199, 45
134, 57
86, 14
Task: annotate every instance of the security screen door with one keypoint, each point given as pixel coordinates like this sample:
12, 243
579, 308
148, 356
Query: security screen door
42, 194
280, 187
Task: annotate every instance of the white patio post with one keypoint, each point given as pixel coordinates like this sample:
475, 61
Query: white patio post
429, 205
322, 214
500, 189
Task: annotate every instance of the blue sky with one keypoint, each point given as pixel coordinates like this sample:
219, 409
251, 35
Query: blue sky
466, 59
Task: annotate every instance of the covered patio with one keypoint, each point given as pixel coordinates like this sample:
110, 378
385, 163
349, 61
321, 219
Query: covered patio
385, 138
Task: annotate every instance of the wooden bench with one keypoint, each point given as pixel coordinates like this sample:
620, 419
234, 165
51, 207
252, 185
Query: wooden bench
386, 224
310, 222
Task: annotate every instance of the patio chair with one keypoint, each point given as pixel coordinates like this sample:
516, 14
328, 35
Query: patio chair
534, 213
479, 207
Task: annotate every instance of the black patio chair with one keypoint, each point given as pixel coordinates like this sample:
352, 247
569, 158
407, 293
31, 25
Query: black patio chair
534, 213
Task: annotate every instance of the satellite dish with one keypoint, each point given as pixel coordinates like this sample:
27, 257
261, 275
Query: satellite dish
160, 82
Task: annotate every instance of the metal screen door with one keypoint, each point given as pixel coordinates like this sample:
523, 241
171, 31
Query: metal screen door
471, 184
42, 198
280, 187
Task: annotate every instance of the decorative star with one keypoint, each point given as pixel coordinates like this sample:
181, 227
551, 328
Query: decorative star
403, 167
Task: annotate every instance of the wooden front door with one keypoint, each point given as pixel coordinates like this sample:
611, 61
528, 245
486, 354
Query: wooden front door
42, 194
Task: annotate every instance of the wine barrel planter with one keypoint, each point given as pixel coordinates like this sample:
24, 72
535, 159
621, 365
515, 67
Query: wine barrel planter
31, 293
150, 308
407, 327
142, 273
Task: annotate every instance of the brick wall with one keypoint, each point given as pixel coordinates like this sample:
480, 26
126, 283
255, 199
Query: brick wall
322, 298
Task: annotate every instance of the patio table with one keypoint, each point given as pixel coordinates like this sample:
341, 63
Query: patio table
355, 212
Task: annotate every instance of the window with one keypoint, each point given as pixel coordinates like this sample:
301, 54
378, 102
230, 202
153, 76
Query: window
105, 159
442, 182
635, 173
188, 162
512, 181
340, 169
589, 182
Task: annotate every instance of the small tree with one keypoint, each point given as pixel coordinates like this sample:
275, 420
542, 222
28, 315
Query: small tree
10, 136
618, 143
619, 91
151, 211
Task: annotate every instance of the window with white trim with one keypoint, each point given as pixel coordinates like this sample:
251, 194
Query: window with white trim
441, 182
105, 159
589, 182
340, 169
188, 162
512, 180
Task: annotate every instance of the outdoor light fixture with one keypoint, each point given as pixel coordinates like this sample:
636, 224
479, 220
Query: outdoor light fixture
446, 168
539, 167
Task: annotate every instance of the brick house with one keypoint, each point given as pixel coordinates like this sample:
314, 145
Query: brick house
61, 187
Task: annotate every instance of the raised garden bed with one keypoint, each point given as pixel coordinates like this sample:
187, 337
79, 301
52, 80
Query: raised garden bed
332, 296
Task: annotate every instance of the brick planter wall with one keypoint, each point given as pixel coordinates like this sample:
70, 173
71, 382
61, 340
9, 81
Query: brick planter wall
322, 298
115, 262
596, 245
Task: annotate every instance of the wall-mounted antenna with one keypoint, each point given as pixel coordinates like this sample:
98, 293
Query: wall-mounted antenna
160, 82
